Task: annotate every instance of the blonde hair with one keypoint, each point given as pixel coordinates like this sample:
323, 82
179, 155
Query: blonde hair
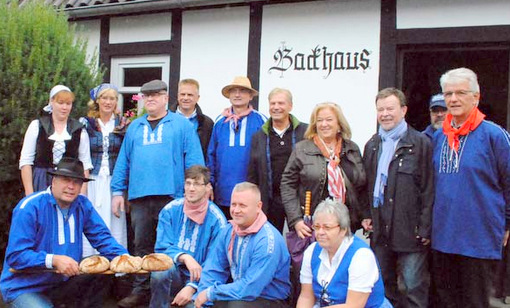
63, 95
345, 129
94, 105
278, 91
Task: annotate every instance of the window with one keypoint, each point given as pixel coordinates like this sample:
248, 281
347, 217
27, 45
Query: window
129, 74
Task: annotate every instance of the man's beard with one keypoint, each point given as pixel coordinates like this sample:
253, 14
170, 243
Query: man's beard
437, 124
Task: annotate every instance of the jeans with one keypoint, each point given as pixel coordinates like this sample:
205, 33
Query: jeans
79, 291
258, 303
164, 286
144, 221
407, 270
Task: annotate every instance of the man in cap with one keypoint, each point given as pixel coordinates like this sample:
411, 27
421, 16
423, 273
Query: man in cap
45, 245
252, 252
437, 108
187, 106
156, 150
270, 150
229, 148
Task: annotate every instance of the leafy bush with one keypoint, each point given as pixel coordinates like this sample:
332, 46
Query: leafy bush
38, 49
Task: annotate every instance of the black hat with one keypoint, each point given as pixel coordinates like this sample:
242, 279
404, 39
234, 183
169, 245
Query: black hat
70, 167
154, 86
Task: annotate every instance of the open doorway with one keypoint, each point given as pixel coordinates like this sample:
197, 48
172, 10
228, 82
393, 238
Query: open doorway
420, 69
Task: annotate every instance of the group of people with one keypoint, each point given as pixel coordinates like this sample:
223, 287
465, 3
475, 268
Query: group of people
214, 196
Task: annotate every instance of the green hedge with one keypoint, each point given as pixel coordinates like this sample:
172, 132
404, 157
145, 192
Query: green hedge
38, 49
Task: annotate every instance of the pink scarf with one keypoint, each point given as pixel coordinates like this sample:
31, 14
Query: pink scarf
196, 212
229, 114
254, 228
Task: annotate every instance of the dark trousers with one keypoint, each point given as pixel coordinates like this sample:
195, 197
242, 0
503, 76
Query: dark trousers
276, 216
87, 291
502, 274
226, 211
258, 303
461, 282
144, 221
405, 275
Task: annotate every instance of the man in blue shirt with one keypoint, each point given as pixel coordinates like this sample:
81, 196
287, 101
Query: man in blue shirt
187, 230
252, 252
45, 245
156, 150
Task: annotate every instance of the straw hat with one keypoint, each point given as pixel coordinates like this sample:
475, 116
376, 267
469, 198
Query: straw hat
239, 82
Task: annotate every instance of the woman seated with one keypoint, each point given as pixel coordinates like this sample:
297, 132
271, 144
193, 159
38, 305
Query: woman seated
339, 269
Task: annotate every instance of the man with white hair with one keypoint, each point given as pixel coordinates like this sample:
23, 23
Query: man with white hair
471, 213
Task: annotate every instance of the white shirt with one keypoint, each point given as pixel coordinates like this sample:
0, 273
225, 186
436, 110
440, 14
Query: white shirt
363, 270
29, 146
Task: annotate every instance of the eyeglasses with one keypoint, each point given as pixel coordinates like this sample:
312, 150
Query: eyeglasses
194, 184
325, 227
324, 300
459, 93
155, 95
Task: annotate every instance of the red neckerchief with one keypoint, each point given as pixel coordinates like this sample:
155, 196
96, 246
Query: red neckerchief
474, 119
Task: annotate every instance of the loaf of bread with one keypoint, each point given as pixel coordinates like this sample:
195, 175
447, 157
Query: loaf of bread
94, 265
157, 262
126, 264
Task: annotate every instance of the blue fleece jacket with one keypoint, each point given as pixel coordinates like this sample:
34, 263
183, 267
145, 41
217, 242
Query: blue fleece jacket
39, 230
259, 267
229, 153
472, 202
152, 162
177, 234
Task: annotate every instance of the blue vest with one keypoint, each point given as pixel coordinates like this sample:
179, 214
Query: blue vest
337, 287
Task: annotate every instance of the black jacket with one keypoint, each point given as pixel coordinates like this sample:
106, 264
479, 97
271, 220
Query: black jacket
408, 196
205, 126
257, 168
307, 170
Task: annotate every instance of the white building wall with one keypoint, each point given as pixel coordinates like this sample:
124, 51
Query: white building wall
90, 30
452, 13
349, 27
214, 51
142, 28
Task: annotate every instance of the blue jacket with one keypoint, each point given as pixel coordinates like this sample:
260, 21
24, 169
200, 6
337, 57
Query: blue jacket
229, 154
472, 200
259, 267
152, 162
338, 286
39, 230
177, 234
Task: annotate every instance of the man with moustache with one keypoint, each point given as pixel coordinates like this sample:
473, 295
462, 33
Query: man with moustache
230, 145
271, 147
187, 106
437, 108
252, 252
156, 150
187, 230
398, 164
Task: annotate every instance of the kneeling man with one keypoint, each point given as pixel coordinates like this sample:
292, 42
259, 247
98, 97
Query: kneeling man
45, 245
187, 230
253, 252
